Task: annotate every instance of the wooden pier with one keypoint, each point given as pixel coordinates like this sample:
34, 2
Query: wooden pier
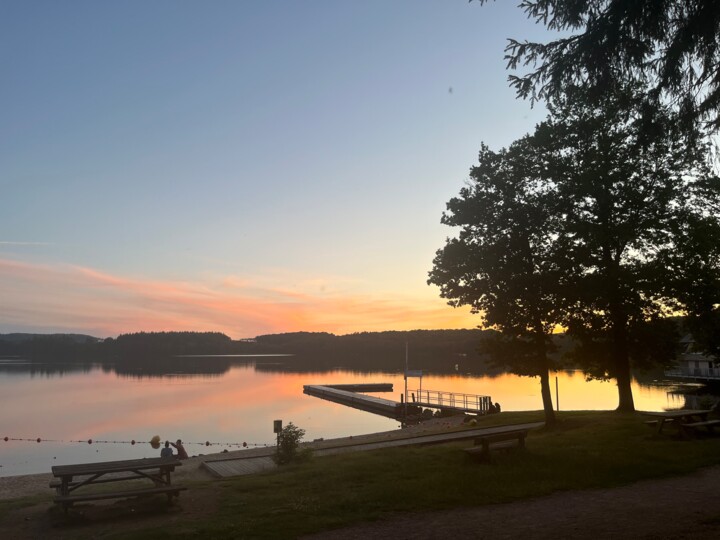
339, 394
368, 387
347, 394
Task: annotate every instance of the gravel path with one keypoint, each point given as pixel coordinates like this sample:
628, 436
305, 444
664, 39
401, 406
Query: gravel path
678, 507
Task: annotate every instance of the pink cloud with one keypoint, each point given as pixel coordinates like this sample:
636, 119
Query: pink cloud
80, 299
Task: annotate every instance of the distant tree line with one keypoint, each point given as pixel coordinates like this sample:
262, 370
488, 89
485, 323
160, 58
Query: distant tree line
152, 354
165, 352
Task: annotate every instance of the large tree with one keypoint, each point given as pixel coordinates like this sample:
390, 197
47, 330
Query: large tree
628, 179
671, 46
502, 263
571, 224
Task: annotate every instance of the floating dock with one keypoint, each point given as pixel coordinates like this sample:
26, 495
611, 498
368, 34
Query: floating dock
347, 394
367, 387
339, 393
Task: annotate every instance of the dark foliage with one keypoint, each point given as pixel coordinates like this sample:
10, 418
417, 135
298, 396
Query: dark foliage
670, 46
581, 224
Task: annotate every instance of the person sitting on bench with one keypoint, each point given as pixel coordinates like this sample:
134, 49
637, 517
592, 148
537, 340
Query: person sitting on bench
166, 452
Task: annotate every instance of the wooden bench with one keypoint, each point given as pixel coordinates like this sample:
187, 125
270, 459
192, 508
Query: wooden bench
676, 417
689, 429
57, 484
170, 491
497, 441
654, 423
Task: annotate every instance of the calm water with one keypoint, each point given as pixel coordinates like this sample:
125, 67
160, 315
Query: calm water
232, 406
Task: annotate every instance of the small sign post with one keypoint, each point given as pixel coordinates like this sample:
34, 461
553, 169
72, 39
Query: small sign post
277, 428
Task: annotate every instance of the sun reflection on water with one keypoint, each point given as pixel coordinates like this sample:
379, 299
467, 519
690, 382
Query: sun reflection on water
233, 407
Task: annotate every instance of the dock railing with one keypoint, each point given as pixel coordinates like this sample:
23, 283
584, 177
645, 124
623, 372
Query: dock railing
452, 400
694, 373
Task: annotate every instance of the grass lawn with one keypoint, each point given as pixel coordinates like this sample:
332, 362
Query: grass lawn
586, 449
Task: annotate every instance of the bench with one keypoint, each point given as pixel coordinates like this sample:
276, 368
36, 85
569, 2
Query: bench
676, 417
497, 441
170, 491
57, 484
690, 428
654, 423
72, 479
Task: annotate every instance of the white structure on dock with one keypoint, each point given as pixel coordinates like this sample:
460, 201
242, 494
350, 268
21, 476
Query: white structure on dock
694, 365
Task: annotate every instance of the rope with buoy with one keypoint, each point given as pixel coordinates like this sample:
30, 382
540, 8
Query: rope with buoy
132, 442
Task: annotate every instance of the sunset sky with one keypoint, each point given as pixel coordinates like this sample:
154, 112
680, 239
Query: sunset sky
241, 166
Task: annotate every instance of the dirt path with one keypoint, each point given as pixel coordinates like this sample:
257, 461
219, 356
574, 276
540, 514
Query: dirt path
679, 507
685, 507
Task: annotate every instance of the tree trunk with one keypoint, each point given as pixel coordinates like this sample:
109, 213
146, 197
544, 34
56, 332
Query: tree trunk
619, 332
547, 398
543, 365
622, 375
621, 361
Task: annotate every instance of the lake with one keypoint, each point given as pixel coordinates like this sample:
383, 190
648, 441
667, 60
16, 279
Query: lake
226, 406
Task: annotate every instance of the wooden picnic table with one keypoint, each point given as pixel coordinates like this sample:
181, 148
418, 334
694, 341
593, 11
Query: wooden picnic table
500, 438
71, 478
679, 418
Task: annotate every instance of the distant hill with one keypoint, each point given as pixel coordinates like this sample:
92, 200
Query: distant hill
434, 350
440, 349
19, 337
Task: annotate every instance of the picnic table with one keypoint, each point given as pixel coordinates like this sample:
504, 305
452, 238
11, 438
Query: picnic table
684, 419
500, 438
71, 478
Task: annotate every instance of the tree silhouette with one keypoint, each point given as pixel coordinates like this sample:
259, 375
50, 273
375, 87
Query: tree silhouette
573, 225
627, 181
503, 262
671, 46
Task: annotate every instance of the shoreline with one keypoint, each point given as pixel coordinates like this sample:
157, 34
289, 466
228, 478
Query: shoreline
27, 485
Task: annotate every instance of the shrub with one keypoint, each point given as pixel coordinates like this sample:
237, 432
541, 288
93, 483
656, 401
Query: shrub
288, 441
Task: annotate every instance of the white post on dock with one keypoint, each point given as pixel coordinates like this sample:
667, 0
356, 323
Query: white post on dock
406, 375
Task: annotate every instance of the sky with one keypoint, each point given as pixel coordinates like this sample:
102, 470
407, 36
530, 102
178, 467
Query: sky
238, 166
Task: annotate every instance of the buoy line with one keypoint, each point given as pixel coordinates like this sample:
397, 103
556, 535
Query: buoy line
130, 442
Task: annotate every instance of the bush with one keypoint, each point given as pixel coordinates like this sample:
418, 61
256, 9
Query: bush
288, 441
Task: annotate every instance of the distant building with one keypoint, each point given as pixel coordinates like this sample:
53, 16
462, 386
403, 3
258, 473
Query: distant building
694, 365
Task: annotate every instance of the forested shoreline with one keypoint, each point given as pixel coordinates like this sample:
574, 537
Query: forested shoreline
152, 346
444, 351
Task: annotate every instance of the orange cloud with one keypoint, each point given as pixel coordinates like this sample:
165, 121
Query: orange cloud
80, 299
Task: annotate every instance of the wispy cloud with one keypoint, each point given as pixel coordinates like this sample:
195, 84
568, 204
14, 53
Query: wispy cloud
14, 243
81, 299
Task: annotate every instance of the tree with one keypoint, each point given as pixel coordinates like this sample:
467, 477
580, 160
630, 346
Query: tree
627, 180
571, 225
694, 264
502, 263
671, 46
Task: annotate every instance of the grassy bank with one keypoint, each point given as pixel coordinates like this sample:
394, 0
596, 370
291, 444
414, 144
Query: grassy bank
587, 449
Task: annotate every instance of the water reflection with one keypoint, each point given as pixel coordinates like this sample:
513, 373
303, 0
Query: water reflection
228, 401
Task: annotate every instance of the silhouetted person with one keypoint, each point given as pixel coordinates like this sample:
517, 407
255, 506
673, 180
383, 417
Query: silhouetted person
166, 452
181, 454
